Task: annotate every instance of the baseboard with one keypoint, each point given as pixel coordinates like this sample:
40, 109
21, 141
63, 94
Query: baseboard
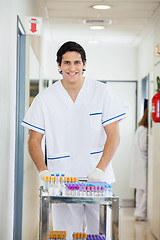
126, 202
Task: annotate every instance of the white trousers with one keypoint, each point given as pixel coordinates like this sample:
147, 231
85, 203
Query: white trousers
141, 203
70, 218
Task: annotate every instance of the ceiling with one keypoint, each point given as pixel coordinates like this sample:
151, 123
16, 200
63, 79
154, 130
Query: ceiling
131, 19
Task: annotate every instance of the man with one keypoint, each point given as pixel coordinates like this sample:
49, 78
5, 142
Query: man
79, 118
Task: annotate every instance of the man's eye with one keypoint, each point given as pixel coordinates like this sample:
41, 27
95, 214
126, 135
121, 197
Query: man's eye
66, 62
77, 62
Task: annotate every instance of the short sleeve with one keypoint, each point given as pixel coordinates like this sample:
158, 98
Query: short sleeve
34, 118
112, 108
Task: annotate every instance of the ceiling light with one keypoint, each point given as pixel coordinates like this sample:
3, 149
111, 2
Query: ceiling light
97, 27
101, 7
97, 21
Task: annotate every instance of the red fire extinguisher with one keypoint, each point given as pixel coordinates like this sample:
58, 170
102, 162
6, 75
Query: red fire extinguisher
156, 103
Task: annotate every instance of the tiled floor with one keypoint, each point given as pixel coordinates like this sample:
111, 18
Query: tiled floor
131, 229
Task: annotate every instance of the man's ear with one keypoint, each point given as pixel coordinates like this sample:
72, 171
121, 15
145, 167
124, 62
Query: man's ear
59, 66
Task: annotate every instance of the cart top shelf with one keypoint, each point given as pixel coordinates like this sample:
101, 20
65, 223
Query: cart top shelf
84, 200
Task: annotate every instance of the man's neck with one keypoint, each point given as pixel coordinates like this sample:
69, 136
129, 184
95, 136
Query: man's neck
73, 88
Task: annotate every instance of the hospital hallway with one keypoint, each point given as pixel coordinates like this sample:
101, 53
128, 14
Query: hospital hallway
130, 229
67, 102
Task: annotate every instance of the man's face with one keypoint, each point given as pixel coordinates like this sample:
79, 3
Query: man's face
72, 67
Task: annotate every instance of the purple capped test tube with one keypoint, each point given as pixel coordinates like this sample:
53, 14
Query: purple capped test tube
103, 191
99, 190
77, 190
94, 237
84, 191
69, 190
95, 191
72, 190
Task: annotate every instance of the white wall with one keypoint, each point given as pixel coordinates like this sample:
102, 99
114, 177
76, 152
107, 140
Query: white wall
104, 62
145, 64
9, 10
111, 62
146, 61
6, 161
155, 157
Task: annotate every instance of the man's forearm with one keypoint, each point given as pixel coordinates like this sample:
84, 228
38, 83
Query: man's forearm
112, 142
108, 152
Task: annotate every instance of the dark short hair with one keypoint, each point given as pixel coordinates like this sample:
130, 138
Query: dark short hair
70, 47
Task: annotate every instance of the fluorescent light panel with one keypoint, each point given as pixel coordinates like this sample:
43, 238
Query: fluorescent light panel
97, 27
101, 7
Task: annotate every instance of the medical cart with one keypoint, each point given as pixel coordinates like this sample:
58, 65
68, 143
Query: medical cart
104, 203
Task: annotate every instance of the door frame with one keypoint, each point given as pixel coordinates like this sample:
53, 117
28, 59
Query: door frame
127, 81
19, 135
128, 202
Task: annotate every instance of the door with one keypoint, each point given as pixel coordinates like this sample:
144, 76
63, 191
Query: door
127, 94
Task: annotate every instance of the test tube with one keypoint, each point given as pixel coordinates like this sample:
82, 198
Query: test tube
63, 186
46, 181
64, 235
54, 235
75, 179
106, 189
80, 190
77, 191
84, 236
94, 237
72, 190
84, 191
88, 191
74, 236
81, 236
78, 236
110, 190
103, 191
57, 235
88, 237
95, 191
69, 190
45, 184
99, 190
72, 179
92, 191
68, 180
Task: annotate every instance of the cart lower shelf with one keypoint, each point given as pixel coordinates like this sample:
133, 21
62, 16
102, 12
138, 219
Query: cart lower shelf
104, 203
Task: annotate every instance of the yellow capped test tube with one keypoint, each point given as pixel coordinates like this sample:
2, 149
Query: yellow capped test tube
75, 179
69, 179
84, 236
46, 182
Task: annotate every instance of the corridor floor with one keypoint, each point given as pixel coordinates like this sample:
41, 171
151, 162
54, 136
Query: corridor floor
131, 229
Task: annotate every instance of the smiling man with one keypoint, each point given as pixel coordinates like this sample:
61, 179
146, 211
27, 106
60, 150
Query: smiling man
79, 118
72, 67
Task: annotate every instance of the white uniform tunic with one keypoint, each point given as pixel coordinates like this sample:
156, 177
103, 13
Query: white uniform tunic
74, 131
139, 172
139, 160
